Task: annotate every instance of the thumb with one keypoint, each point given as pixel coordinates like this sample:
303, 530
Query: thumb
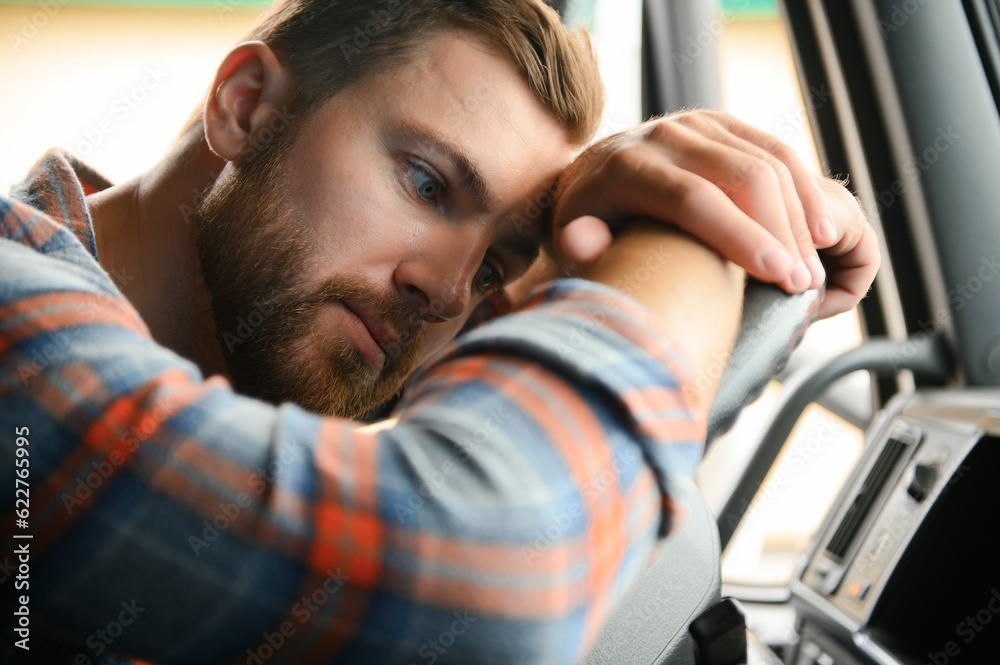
584, 240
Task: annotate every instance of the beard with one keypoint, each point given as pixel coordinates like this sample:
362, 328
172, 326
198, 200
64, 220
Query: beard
253, 246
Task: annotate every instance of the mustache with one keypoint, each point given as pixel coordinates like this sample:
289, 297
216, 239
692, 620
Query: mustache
391, 308
255, 248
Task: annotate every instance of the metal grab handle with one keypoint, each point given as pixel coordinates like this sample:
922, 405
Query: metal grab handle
929, 358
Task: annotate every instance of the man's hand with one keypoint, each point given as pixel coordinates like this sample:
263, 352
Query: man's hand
852, 261
737, 189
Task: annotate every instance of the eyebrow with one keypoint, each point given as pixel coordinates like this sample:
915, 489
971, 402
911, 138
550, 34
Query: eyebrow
472, 180
525, 247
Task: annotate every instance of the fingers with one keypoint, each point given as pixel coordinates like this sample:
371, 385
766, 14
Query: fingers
642, 178
737, 189
751, 176
811, 195
853, 259
853, 271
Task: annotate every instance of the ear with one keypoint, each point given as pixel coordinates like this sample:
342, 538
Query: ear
250, 89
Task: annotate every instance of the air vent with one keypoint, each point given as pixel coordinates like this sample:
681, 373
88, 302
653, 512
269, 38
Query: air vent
863, 502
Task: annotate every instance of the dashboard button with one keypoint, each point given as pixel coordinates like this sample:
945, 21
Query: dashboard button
922, 481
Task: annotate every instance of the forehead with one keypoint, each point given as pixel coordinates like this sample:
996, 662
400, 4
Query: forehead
470, 96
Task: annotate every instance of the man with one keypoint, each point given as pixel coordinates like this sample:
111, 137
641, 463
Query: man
355, 207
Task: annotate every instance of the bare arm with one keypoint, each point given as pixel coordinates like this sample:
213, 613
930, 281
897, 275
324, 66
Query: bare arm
695, 294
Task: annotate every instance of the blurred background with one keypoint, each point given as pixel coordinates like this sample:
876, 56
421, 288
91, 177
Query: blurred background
113, 81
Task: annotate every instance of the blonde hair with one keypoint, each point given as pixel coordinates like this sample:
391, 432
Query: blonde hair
331, 44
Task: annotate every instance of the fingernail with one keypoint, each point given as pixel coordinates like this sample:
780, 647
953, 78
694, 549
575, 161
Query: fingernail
801, 279
817, 271
776, 262
827, 233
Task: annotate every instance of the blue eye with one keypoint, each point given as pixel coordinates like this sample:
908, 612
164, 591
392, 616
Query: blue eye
426, 185
488, 278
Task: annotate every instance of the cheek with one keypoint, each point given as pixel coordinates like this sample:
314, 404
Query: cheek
356, 230
349, 199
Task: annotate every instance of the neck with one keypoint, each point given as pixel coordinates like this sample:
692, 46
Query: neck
145, 233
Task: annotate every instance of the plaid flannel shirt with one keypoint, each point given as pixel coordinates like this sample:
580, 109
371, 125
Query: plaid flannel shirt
522, 485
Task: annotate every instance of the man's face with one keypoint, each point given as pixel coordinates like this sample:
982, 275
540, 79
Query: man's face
339, 265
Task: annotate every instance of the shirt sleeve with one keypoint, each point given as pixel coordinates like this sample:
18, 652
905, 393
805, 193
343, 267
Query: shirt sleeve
519, 489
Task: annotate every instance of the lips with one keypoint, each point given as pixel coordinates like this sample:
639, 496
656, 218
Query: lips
373, 336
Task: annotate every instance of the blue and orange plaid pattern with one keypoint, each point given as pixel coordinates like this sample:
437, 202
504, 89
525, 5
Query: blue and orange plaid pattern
520, 488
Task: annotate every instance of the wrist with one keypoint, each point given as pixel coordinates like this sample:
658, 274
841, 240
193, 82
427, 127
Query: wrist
694, 294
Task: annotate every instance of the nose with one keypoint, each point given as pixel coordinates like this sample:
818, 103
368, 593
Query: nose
436, 280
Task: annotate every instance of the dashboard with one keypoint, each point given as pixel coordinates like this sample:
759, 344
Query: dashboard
904, 569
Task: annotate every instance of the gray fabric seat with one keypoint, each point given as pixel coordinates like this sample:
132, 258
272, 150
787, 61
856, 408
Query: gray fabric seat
650, 626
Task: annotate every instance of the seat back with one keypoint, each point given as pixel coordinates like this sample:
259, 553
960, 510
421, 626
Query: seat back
650, 625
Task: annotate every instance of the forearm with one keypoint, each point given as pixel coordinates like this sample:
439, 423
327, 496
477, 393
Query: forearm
693, 293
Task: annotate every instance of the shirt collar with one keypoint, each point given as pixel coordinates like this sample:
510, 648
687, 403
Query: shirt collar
58, 185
